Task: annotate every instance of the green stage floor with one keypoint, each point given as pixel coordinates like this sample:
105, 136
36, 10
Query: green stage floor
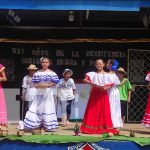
56, 139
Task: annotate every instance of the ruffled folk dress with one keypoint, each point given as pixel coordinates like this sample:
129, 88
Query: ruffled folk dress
3, 110
114, 100
97, 117
146, 118
42, 112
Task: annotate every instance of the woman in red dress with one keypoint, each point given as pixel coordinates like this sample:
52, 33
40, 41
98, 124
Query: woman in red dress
97, 117
146, 118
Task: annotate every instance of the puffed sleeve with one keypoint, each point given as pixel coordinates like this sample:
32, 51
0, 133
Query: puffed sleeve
54, 78
36, 78
1, 67
90, 76
116, 80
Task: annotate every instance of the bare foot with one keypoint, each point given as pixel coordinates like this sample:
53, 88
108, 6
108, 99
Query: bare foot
110, 134
64, 124
68, 123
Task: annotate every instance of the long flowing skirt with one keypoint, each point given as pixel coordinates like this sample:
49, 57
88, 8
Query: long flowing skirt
115, 107
42, 112
3, 110
97, 117
146, 118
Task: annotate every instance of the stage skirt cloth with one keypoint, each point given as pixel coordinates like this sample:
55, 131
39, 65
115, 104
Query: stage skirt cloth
97, 118
114, 100
146, 118
42, 112
115, 107
3, 110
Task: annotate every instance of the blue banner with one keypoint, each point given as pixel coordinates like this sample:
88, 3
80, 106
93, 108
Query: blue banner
106, 5
112, 145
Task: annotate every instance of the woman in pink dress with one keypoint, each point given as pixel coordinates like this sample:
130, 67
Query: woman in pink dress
97, 117
146, 118
3, 111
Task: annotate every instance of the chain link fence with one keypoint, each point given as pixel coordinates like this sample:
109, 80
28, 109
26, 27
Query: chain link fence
138, 65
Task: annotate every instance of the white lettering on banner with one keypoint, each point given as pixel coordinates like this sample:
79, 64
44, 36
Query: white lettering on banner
104, 54
18, 51
60, 52
30, 61
66, 62
40, 52
75, 54
83, 62
116, 54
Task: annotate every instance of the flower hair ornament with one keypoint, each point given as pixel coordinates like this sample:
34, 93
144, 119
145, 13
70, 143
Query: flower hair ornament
1, 67
115, 65
148, 77
41, 59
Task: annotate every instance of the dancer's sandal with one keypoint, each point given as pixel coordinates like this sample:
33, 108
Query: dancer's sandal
36, 131
3, 131
20, 133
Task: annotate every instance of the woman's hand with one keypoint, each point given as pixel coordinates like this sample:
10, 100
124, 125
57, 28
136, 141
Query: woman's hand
44, 85
50, 84
106, 87
41, 85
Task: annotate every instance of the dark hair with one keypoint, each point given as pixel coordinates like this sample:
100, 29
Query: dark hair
99, 59
111, 61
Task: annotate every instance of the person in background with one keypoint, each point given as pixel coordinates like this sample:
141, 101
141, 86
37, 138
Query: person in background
125, 91
28, 89
42, 113
66, 93
146, 117
114, 96
3, 110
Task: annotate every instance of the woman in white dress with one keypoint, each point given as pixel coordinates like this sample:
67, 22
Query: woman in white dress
114, 96
42, 112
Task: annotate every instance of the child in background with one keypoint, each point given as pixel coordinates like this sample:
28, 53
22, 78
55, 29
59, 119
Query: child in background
146, 118
66, 90
125, 92
42, 114
3, 110
28, 89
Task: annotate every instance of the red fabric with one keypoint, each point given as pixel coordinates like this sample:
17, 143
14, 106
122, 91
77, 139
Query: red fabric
87, 77
146, 118
87, 147
97, 117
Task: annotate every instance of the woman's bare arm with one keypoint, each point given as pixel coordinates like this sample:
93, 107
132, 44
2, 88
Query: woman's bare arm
3, 78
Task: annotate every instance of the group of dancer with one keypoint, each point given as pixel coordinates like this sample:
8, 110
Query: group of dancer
103, 112
107, 105
41, 113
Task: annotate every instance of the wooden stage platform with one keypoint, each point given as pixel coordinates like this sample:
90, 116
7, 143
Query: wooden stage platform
138, 129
